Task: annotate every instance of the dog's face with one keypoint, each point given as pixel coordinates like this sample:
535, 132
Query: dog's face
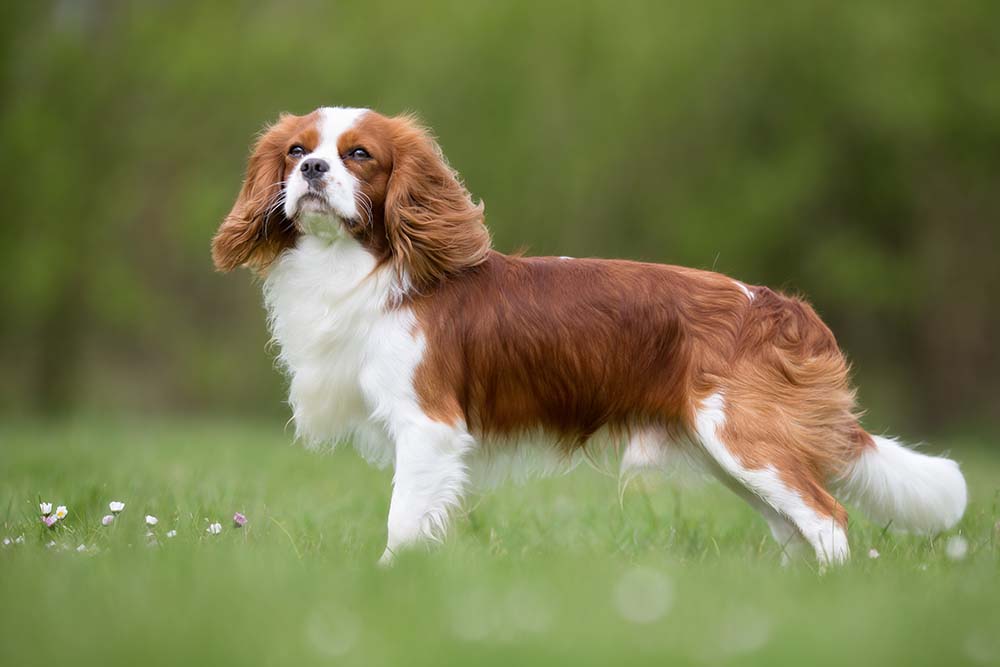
330, 165
352, 172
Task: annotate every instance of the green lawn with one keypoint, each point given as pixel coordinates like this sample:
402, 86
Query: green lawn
550, 572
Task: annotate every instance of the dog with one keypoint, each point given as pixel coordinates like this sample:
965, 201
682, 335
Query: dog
405, 333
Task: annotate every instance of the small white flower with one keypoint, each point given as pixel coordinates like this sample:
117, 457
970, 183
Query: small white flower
81, 548
873, 553
171, 533
50, 544
151, 520
46, 508
107, 519
61, 512
957, 547
214, 528
6, 541
19, 539
116, 506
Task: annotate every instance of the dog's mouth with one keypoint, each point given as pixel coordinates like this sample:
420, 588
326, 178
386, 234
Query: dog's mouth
313, 203
314, 214
312, 195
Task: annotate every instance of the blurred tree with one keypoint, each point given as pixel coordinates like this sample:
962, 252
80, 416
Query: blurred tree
850, 152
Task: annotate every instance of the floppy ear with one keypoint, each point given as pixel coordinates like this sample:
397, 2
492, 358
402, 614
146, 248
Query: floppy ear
256, 229
433, 227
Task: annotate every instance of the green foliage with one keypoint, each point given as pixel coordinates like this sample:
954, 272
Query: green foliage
546, 573
847, 151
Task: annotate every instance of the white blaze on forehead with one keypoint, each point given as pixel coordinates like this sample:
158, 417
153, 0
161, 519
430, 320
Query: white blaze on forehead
334, 121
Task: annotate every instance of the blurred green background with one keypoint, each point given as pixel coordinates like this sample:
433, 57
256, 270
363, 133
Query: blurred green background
847, 151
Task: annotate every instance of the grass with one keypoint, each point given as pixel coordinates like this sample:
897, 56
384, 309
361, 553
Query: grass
551, 572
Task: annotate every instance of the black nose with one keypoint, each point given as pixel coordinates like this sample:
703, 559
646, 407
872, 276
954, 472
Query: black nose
314, 168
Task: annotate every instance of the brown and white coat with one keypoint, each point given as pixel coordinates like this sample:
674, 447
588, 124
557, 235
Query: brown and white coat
404, 332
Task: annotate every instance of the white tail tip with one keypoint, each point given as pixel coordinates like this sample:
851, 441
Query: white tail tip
915, 492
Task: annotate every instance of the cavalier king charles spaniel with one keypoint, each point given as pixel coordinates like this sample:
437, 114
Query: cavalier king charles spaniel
406, 334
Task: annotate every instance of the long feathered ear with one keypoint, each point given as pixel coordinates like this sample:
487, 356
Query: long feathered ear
256, 229
433, 227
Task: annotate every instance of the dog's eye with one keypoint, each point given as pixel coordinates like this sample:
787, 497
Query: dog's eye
297, 151
358, 154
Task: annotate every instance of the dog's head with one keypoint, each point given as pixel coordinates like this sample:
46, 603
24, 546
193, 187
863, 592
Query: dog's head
353, 172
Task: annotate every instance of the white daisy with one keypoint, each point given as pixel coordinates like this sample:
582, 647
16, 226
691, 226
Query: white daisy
214, 528
171, 533
46, 508
61, 512
107, 519
116, 506
151, 520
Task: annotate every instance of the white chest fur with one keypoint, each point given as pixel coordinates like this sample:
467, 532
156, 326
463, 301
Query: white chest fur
345, 349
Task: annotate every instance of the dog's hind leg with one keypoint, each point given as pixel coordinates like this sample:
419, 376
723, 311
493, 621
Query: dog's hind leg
654, 449
784, 532
785, 496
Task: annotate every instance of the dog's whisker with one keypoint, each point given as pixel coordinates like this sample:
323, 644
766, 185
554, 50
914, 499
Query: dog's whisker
270, 211
364, 202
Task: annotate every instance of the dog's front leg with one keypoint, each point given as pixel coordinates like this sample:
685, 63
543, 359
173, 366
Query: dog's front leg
429, 480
